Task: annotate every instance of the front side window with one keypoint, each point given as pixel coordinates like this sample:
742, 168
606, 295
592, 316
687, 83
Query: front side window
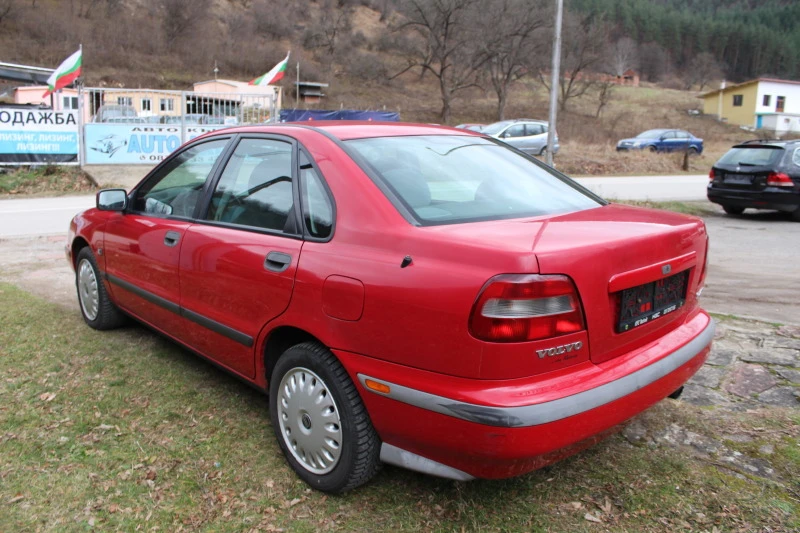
447, 179
517, 130
256, 187
668, 135
179, 185
737, 100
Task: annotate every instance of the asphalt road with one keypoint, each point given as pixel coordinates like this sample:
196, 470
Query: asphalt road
754, 266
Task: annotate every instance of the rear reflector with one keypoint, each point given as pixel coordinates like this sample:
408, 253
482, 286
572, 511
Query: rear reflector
779, 179
526, 307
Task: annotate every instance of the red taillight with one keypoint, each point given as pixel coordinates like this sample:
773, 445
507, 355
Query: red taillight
526, 307
711, 175
779, 179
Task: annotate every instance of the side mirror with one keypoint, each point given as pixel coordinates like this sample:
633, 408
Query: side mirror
112, 200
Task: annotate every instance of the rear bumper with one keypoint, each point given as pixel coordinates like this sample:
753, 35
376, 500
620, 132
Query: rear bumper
497, 429
770, 198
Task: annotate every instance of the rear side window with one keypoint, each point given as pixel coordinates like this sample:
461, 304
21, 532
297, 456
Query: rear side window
453, 179
756, 156
317, 208
256, 187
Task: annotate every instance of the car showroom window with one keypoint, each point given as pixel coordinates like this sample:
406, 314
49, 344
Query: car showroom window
256, 187
445, 179
317, 208
178, 186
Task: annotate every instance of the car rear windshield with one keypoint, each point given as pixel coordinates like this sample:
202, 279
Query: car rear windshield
450, 179
755, 156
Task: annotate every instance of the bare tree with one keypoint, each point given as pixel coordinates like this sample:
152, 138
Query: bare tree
330, 31
510, 43
605, 93
6, 7
584, 40
181, 17
623, 55
447, 47
703, 69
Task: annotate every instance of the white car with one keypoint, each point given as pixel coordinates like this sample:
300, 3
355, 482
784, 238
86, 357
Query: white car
528, 135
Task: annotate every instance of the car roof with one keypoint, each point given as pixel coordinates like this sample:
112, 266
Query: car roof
772, 143
355, 129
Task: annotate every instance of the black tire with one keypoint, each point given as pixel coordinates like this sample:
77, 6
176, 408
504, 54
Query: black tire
692, 151
652, 148
733, 209
97, 309
795, 215
312, 365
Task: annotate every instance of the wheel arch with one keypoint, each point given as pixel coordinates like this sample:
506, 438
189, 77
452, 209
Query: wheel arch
78, 244
278, 341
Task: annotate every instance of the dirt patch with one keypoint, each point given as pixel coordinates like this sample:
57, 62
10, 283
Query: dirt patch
48, 180
39, 266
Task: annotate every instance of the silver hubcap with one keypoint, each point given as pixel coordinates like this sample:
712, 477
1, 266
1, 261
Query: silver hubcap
309, 420
87, 289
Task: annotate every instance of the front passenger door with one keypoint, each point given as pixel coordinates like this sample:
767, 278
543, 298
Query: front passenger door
142, 246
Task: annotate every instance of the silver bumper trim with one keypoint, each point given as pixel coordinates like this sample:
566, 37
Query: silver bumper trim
411, 461
543, 413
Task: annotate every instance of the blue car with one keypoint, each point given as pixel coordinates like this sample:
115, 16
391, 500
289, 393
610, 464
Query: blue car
663, 141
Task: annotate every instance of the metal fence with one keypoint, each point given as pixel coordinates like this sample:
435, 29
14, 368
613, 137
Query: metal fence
130, 126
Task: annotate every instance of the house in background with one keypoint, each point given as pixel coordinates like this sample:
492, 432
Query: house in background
763, 103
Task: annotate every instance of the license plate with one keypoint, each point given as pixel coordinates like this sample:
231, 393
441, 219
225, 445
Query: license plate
645, 303
739, 179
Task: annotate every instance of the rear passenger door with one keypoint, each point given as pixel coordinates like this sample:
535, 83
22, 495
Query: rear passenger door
238, 261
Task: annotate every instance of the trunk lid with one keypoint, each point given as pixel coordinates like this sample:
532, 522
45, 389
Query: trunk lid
613, 248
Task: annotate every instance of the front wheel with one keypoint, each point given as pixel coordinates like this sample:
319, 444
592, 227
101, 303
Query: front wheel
320, 421
733, 209
652, 148
98, 311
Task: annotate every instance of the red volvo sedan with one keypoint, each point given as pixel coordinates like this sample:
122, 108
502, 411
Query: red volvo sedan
409, 294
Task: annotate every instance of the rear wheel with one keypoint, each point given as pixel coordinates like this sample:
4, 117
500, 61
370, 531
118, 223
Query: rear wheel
320, 421
733, 209
692, 150
796, 215
98, 311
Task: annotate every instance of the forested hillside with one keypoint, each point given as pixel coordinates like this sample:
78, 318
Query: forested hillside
750, 38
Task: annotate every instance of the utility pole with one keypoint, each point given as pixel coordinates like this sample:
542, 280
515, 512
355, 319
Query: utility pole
555, 76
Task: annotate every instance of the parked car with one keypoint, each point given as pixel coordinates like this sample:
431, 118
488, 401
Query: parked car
525, 134
473, 127
663, 141
760, 174
421, 296
114, 113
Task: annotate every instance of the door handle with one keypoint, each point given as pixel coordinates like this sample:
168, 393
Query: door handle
277, 261
172, 238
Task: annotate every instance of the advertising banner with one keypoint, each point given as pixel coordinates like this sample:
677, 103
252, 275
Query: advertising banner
131, 144
30, 135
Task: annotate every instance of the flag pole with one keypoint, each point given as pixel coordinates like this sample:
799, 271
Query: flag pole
81, 151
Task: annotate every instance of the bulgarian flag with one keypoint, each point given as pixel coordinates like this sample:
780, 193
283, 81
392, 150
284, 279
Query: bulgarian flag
66, 73
273, 75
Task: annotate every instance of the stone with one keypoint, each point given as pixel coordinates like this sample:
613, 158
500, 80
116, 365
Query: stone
788, 344
702, 396
635, 432
738, 438
781, 397
776, 356
708, 376
766, 449
720, 357
789, 375
789, 331
747, 380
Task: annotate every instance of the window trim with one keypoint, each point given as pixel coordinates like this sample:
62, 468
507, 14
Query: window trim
155, 174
